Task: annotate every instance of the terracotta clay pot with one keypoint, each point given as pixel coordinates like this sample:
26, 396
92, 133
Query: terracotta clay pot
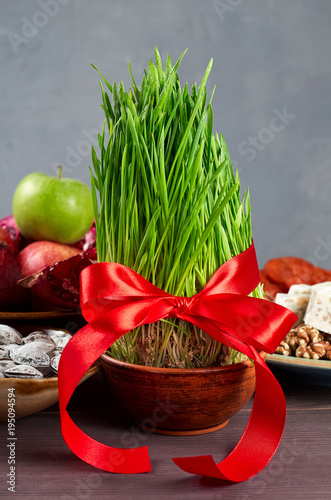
179, 401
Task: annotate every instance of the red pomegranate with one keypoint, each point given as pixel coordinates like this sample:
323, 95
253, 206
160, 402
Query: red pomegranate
40, 254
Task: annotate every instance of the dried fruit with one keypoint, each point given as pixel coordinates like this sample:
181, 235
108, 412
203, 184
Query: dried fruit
270, 287
41, 254
289, 271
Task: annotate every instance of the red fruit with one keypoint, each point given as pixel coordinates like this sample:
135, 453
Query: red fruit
88, 240
42, 254
9, 224
6, 238
58, 285
12, 296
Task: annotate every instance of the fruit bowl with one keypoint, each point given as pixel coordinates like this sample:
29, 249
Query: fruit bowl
36, 315
31, 395
40, 276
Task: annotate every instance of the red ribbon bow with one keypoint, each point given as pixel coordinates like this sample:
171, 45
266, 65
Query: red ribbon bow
115, 300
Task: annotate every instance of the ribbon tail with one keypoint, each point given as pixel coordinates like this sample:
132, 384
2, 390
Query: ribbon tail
75, 361
261, 437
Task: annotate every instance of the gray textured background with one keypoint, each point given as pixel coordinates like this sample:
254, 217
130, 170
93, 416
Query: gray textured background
268, 56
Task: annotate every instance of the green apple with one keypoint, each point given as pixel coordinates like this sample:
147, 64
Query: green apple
54, 209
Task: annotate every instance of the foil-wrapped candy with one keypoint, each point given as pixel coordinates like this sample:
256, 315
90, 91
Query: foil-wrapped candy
35, 356
23, 371
30, 355
9, 335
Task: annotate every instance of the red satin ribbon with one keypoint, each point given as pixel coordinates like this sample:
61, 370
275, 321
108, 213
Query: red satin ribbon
115, 300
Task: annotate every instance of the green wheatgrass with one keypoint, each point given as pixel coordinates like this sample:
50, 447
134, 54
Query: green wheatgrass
169, 204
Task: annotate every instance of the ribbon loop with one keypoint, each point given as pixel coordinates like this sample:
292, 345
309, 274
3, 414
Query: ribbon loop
115, 300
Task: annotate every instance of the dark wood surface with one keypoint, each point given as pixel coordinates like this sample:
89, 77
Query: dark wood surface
46, 468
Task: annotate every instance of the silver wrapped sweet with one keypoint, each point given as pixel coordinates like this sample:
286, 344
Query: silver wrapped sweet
9, 335
23, 371
40, 340
35, 356
30, 355
6, 364
59, 337
55, 362
5, 350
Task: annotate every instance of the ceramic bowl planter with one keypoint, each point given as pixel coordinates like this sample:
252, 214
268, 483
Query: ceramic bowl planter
179, 401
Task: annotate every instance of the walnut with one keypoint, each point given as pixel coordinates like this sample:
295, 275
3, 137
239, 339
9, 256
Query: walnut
320, 348
284, 349
302, 352
315, 335
302, 335
307, 342
314, 350
297, 336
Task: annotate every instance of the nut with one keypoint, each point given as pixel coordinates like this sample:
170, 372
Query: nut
315, 335
284, 349
319, 349
302, 335
316, 350
302, 352
307, 342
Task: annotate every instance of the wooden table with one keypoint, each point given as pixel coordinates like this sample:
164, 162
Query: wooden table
46, 468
